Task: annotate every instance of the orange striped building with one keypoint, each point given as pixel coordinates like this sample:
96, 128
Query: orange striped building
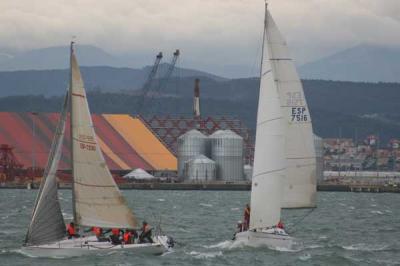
126, 141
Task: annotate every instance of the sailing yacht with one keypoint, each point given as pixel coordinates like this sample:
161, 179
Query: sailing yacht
284, 160
96, 199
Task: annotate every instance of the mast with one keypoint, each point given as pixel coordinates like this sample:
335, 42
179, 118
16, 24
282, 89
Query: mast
71, 132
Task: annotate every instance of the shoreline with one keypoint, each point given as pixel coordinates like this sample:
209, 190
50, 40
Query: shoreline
241, 186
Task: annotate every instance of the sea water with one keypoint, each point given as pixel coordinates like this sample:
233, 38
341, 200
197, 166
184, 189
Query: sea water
345, 229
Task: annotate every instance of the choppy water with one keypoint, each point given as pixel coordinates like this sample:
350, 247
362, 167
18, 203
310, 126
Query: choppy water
345, 229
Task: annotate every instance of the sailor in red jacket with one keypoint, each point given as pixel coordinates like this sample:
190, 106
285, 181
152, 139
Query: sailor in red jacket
71, 231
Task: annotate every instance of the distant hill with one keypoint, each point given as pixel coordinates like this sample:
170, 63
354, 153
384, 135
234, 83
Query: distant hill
110, 79
354, 109
365, 63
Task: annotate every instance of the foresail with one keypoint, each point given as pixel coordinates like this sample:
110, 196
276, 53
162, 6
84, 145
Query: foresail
269, 157
97, 199
300, 181
47, 223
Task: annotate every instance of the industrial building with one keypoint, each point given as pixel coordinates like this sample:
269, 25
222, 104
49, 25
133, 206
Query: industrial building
126, 141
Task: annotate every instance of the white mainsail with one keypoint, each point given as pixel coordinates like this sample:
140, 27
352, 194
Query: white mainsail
269, 158
97, 200
300, 181
47, 222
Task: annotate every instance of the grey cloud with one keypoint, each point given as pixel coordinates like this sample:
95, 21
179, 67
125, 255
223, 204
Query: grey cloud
209, 32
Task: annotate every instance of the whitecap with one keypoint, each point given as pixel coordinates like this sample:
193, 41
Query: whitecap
227, 244
67, 216
234, 209
305, 257
314, 246
373, 205
351, 207
205, 255
323, 237
376, 212
161, 199
206, 205
365, 247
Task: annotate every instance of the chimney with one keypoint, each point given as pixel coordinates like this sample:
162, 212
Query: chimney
196, 99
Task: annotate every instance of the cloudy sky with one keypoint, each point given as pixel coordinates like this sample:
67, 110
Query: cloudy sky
209, 32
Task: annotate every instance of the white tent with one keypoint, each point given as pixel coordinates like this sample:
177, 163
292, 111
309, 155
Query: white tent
139, 174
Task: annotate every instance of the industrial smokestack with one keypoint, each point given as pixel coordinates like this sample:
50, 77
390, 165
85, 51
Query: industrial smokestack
196, 99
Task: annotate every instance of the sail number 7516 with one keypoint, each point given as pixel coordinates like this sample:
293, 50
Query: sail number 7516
299, 114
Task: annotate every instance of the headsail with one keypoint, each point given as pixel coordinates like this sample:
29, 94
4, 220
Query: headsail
300, 182
269, 157
97, 199
47, 223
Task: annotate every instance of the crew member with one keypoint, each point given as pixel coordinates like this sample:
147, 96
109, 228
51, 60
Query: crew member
280, 225
246, 216
71, 231
128, 237
145, 236
115, 236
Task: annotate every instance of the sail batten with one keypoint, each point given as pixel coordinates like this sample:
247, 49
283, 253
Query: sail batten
300, 179
96, 197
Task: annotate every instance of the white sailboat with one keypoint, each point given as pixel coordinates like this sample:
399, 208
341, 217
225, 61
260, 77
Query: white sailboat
270, 158
96, 199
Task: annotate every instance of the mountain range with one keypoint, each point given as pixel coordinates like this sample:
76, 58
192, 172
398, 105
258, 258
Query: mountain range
362, 63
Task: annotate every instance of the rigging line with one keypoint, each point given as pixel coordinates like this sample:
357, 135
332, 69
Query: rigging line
300, 220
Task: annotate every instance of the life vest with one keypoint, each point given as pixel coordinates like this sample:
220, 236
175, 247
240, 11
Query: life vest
115, 231
127, 237
280, 225
70, 230
97, 231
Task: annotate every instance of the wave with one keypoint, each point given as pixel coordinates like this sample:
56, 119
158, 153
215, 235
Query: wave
206, 205
205, 255
305, 257
365, 247
227, 244
376, 212
160, 199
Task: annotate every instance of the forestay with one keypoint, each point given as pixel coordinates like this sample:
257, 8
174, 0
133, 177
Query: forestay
269, 157
97, 199
300, 182
47, 223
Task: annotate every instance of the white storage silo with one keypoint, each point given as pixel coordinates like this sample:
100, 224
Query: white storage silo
319, 156
200, 168
248, 172
227, 152
190, 144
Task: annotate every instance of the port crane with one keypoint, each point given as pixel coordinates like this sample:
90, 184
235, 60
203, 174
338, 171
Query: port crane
147, 85
164, 79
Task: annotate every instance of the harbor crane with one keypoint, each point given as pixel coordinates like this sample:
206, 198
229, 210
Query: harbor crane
147, 85
163, 81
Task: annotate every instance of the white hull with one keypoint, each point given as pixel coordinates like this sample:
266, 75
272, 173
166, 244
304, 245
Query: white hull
89, 246
276, 239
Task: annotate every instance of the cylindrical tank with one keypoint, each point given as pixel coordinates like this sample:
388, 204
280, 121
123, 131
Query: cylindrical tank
190, 144
200, 168
227, 152
248, 172
319, 154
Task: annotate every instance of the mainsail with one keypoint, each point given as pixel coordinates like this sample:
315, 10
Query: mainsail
47, 223
97, 200
269, 157
300, 181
